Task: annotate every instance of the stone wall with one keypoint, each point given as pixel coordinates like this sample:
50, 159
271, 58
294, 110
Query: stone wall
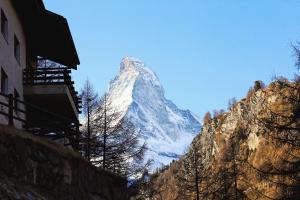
36, 168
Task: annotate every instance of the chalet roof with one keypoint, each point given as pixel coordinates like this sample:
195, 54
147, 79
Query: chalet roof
48, 33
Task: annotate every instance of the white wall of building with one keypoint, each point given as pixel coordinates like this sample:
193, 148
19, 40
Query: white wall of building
8, 62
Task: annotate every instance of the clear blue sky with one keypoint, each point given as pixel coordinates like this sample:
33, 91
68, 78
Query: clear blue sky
204, 52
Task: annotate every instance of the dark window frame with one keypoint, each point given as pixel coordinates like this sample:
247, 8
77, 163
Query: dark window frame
4, 26
17, 48
4, 82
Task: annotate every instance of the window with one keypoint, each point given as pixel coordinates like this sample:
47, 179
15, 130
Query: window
4, 82
17, 48
4, 26
16, 98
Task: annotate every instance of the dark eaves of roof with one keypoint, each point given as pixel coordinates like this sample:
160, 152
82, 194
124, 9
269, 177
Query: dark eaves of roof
48, 34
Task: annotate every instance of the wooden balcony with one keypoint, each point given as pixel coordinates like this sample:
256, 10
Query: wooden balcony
52, 89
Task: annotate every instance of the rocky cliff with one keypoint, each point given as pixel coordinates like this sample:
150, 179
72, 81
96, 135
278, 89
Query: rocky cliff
33, 168
250, 152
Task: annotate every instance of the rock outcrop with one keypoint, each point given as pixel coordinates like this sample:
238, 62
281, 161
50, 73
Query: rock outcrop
250, 152
33, 168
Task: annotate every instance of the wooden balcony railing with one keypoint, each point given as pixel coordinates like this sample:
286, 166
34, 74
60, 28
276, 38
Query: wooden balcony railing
52, 76
44, 123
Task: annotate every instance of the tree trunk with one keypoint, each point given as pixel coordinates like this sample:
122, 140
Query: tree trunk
104, 135
234, 172
196, 176
88, 133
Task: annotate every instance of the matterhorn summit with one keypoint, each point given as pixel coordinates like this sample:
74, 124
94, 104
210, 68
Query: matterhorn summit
137, 94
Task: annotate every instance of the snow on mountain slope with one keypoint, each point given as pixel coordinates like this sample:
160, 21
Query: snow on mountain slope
138, 95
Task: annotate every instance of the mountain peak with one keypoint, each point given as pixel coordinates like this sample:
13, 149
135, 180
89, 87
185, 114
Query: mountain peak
136, 68
130, 62
136, 93
131, 59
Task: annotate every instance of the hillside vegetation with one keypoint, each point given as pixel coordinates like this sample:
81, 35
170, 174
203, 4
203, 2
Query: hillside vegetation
250, 152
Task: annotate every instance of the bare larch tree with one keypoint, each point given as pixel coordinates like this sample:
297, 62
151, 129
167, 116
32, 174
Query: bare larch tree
90, 102
115, 145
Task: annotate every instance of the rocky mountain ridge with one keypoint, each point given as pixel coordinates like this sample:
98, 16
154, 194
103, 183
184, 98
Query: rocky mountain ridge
250, 152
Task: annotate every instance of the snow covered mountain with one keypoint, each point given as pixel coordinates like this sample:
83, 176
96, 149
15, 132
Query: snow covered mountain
137, 93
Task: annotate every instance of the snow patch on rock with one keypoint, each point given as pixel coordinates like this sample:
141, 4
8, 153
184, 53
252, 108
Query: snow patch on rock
253, 141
